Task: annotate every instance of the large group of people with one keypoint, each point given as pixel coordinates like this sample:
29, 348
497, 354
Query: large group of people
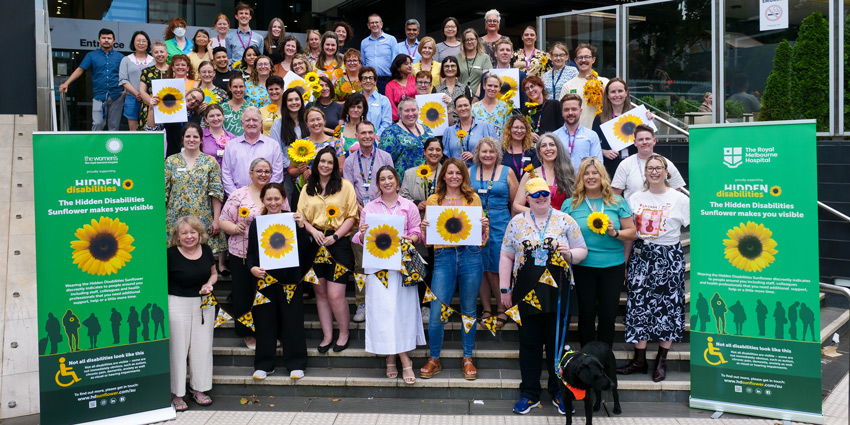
555, 197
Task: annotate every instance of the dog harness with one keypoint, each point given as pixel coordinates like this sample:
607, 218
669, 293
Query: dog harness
578, 393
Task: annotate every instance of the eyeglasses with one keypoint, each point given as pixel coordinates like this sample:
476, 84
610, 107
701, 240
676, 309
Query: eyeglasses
654, 169
262, 172
492, 21
559, 56
263, 65
367, 78
584, 58
423, 83
542, 193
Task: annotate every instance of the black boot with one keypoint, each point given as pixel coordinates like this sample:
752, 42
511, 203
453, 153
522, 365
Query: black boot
660, 365
637, 365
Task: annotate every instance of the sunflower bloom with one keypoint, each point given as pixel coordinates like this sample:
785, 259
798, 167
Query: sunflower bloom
424, 171
432, 114
302, 151
598, 222
750, 247
277, 240
593, 91
454, 225
332, 212
382, 241
272, 108
311, 77
244, 212
103, 247
170, 100
461, 134
127, 184
624, 128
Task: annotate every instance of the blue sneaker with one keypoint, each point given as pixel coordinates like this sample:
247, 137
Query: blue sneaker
558, 401
524, 405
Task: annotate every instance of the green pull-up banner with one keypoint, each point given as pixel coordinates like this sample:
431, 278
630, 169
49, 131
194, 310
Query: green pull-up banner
755, 306
102, 292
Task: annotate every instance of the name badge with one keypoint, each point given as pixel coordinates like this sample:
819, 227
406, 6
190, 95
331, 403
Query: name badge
220, 153
376, 105
181, 170
482, 191
366, 185
476, 67
526, 159
365, 200
224, 80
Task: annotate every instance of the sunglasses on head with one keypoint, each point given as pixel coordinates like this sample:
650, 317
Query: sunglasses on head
542, 193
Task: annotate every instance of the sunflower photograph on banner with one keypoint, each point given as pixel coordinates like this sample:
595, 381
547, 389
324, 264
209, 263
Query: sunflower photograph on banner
510, 81
382, 243
620, 131
277, 241
453, 225
433, 113
172, 102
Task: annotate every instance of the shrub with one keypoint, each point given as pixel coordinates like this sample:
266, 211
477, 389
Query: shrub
682, 107
810, 71
648, 101
734, 109
776, 102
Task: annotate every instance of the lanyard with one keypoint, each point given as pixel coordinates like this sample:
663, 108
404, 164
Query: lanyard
533, 50
555, 82
140, 64
250, 36
406, 46
418, 136
518, 167
371, 164
542, 232
641, 170
395, 207
593, 207
554, 184
571, 138
489, 186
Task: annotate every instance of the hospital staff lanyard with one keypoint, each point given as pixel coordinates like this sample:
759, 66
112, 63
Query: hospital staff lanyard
542, 233
366, 183
555, 82
571, 138
250, 36
395, 207
490, 186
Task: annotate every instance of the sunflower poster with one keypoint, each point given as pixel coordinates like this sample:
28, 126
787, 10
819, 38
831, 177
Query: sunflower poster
510, 81
292, 79
433, 112
172, 103
453, 225
382, 241
755, 330
101, 273
277, 241
620, 131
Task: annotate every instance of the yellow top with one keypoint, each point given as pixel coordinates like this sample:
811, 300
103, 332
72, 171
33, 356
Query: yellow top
269, 118
476, 202
435, 72
196, 61
314, 209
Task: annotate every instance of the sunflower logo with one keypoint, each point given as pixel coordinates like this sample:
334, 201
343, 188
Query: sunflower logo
332, 212
775, 190
382, 241
210, 97
127, 184
453, 225
598, 222
103, 247
170, 100
277, 240
750, 247
423, 171
624, 128
311, 77
302, 151
244, 212
432, 115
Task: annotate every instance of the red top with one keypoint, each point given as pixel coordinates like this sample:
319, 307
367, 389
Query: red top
558, 198
395, 92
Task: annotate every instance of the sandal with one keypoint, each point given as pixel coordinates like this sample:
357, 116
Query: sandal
484, 315
201, 398
392, 371
408, 375
499, 319
179, 404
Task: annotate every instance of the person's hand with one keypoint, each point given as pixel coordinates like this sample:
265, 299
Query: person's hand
318, 237
506, 300
215, 227
610, 154
446, 99
521, 65
466, 156
534, 137
564, 249
329, 240
363, 227
139, 96
485, 221
307, 173
303, 167
649, 115
206, 289
423, 225
611, 230
240, 228
63, 88
258, 272
421, 206
299, 219
154, 101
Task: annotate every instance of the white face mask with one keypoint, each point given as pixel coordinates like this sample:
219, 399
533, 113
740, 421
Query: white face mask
179, 32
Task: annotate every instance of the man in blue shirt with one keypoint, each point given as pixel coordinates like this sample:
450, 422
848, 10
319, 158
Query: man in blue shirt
378, 50
108, 101
453, 146
580, 142
410, 47
243, 37
380, 110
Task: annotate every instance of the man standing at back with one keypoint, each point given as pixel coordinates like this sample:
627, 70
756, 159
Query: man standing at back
108, 102
239, 40
410, 46
378, 50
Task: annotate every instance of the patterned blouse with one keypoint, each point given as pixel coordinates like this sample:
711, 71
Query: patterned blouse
148, 74
238, 244
215, 95
233, 119
405, 147
188, 192
561, 228
554, 80
344, 87
532, 62
256, 94
498, 117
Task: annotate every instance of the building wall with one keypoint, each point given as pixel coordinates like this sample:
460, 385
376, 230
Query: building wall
18, 22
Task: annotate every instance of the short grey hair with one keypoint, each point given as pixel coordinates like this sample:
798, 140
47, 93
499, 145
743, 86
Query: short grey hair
493, 12
257, 161
493, 143
412, 22
253, 110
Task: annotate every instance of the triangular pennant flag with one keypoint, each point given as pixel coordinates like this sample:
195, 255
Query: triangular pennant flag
514, 313
547, 279
429, 296
247, 319
382, 276
290, 292
531, 299
311, 277
222, 318
360, 281
468, 322
260, 299
266, 282
445, 312
339, 270
490, 324
323, 256
209, 301
558, 260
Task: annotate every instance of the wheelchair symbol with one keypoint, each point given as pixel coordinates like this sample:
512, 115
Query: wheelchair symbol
66, 371
712, 350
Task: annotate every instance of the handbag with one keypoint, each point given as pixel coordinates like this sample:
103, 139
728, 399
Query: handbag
414, 265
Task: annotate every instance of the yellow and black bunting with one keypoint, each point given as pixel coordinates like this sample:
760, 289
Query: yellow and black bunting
323, 256
290, 292
339, 270
360, 281
311, 277
209, 301
468, 322
547, 279
222, 318
531, 299
382, 276
260, 299
490, 324
445, 312
514, 313
247, 319
429, 296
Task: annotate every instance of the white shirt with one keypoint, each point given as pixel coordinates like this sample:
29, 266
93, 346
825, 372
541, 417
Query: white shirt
630, 176
660, 217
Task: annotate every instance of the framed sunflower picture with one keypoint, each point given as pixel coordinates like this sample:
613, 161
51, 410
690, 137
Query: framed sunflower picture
277, 241
433, 113
510, 81
620, 131
453, 225
172, 102
292, 79
382, 242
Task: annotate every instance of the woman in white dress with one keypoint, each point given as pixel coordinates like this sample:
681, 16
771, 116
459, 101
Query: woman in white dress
393, 321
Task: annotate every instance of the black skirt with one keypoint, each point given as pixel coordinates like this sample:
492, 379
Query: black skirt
340, 254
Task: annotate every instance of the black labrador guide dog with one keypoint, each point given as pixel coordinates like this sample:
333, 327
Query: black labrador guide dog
586, 373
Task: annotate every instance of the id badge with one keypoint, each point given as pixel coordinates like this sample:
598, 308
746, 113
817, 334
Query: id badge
181, 170
540, 256
365, 200
526, 159
482, 191
220, 153
367, 185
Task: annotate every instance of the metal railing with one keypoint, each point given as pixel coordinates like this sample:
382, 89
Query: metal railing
839, 290
64, 120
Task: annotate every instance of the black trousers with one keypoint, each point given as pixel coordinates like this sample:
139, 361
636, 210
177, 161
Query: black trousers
537, 331
279, 320
598, 296
244, 288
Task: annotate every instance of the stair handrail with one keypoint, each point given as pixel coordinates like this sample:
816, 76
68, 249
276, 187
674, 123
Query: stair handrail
657, 112
840, 290
64, 121
834, 212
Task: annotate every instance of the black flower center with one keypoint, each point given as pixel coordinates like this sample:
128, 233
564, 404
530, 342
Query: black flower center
628, 128
127, 184
750, 247
505, 88
383, 241
454, 225
103, 246
597, 223
277, 240
169, 100
432, 114
775, 190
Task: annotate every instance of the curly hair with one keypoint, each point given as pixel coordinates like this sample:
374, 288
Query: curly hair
191, 221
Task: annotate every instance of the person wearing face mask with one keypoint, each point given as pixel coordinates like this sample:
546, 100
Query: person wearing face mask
239, 40
579, 141
175, 38
585, 58
130, 73
221, 28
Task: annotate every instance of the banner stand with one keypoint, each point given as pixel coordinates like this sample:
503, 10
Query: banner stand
745, 409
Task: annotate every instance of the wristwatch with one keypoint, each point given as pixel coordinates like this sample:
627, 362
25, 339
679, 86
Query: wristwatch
335, 236
504, 290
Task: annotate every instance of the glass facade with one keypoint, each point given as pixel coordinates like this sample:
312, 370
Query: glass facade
597, 27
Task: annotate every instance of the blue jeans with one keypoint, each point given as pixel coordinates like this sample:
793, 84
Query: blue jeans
452, 267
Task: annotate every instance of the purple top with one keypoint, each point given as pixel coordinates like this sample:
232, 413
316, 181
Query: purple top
402, 206
357, 170
238, 155
212, 148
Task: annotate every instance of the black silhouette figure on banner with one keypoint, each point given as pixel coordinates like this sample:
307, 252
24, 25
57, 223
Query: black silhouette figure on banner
718, 307
158, 317
702, 312
807, 316
779, 318
146, 318
792, 320
116, 318
133, 321
72, 330
739, 316
761, 316
93, 329
54, 332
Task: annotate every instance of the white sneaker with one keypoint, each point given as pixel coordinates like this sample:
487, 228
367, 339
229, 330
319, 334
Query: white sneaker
360, 314
426, 314
261, 374
296, 374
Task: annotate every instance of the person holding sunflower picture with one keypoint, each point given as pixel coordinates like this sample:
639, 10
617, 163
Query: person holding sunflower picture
282, 318
393, 324
212, 93
461, 138
587, 84
630, 178
504, 52
541, 239
606, 224
655, 308
272, 111
354, 110
543, 115
556, 169
517, 147
455, 267
615, 101
158, 70
328, 211
404, 139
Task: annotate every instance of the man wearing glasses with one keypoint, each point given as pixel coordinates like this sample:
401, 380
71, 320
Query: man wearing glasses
378, 50
585, 58
243, 150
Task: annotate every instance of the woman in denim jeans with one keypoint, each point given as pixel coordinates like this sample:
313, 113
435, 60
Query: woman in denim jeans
454, 266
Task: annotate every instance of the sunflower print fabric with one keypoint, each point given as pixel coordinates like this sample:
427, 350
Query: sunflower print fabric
256, 94
102, 247
189, 192
498, 117
562, 228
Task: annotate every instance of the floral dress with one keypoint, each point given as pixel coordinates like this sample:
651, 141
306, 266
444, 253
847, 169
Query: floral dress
215, 95
498, 117
344, 87
233, 119
188, 192
148, 74
405, 147
531, 64
256, 95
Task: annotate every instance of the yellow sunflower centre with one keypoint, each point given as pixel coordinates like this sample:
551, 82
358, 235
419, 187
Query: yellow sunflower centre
103, 246
277, 240
454, 225
750, 247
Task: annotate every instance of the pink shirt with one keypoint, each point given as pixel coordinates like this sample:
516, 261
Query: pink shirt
395, 92
402, 206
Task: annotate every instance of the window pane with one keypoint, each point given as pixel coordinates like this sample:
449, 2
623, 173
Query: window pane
597, 28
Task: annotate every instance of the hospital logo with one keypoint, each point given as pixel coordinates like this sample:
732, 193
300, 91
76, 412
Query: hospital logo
733, 157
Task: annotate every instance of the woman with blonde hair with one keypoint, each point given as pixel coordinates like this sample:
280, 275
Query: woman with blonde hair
314, 46
517, 145
427, 49
561, 72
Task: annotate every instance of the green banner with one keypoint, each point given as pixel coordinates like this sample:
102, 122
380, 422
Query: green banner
102, 290
755, 306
